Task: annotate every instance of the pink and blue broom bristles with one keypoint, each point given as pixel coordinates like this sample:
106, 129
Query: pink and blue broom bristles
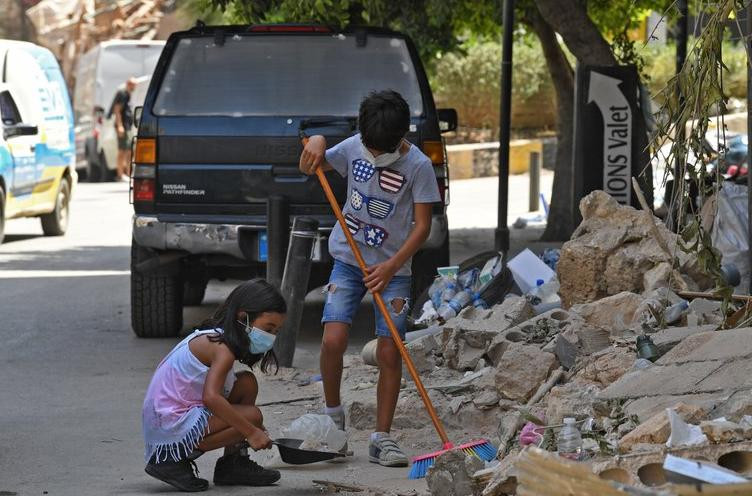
482, 449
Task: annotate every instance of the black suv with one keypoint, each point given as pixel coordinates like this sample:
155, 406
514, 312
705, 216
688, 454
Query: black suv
218, 146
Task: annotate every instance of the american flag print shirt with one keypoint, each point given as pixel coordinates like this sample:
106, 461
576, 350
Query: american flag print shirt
379, 206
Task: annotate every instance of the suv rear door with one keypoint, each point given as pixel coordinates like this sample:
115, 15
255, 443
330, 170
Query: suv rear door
228, 107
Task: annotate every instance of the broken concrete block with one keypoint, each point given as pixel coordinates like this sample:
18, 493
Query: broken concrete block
521, 370
486, 399
723, 431
422, 353
452, 475
573, 399
496, 349
666, 339
705, 311
566, 352
657, 429
608, 365
612, 249
510, 312
593, 339
614, 313
663, 276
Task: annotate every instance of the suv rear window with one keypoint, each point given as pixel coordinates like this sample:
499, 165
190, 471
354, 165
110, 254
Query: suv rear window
258, 75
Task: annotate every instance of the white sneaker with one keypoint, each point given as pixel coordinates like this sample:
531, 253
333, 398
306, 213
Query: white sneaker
385, 452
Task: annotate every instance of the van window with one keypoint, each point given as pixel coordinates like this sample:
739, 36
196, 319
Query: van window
8, 110
284, 75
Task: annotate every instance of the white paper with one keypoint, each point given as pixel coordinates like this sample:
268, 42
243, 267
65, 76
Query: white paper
682, 433
701, 471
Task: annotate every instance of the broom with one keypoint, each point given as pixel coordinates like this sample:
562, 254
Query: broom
480, 448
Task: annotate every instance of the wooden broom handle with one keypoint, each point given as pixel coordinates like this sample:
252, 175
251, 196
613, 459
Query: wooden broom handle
382, 307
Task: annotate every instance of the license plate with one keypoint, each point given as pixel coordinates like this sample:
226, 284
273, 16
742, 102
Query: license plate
263, 248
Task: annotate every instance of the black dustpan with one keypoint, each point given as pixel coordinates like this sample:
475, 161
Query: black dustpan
291, 453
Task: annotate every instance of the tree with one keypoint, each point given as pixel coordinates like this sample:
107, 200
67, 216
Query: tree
439, 25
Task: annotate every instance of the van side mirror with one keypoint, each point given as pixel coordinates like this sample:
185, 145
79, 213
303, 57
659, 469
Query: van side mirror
137, 112
447, 119
19, 129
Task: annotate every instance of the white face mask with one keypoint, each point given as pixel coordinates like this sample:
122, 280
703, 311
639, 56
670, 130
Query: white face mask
383, 160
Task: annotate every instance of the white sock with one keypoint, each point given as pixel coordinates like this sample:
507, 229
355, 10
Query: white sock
375, 436
330, 410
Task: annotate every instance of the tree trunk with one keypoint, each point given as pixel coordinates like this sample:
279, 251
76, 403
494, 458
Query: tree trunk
570, 19
559, 226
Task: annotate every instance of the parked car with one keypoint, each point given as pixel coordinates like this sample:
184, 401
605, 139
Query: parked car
99, 74
219, 140
37, 156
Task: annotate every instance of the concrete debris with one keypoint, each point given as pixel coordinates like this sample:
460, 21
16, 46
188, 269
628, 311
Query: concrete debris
724, 431
614, 313
452, 475
607, 365
657, 429
422, 353
571, 400
612, 250
521, 370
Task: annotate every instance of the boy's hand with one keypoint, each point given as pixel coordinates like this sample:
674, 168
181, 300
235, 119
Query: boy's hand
313, 154
259, 440
379, 276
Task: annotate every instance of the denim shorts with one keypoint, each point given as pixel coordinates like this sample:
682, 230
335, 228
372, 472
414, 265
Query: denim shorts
346, 290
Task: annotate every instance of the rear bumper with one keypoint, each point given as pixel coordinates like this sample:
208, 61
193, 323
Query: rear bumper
240, 241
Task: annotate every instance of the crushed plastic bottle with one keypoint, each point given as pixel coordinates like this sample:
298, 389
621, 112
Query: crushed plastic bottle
675, 312
569, 441
453, 306
545, 296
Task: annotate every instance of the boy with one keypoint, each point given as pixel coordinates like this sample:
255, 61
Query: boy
390, 185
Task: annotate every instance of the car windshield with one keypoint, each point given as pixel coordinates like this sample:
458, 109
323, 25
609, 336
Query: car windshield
259, 75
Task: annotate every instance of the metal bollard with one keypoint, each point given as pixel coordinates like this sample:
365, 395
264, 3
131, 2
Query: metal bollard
535, 168
277, 233
295, 286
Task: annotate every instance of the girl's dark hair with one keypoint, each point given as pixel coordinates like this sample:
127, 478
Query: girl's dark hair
383, 120
253, 297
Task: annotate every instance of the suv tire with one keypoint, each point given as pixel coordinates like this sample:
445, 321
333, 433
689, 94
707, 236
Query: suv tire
194, 291
56, 222
156, 301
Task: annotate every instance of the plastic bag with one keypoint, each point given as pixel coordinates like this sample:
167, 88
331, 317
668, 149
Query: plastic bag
730, 234
318, 432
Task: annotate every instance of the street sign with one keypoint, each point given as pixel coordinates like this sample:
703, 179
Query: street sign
609, 140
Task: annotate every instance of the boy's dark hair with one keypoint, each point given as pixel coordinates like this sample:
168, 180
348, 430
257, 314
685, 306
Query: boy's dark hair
384, 120
253, 297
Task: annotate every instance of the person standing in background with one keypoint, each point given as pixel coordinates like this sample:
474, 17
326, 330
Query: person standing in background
121, 109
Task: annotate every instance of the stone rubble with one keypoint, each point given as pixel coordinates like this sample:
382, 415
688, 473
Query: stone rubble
484, 368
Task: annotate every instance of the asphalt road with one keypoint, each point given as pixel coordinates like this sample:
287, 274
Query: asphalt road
73, 374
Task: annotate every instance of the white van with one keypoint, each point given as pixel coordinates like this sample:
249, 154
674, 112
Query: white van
99, 74
37, 173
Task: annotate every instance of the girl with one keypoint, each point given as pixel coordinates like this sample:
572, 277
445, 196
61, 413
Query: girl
196, 403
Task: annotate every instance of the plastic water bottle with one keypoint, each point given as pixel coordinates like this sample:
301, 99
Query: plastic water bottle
479, 302
675, 312
569, 442
451, 308
545, 296
435, 291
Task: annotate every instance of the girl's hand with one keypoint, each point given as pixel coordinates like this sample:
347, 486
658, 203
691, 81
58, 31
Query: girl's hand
379, 276
313, 154
259, 440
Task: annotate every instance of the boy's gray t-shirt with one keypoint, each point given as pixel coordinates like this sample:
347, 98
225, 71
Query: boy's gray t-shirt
379, 206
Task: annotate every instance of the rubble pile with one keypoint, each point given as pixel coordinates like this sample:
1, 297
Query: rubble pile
503, 368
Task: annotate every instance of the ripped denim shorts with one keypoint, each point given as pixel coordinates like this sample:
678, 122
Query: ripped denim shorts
346, 290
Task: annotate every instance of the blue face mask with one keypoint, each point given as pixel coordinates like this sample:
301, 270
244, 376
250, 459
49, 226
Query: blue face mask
260, 340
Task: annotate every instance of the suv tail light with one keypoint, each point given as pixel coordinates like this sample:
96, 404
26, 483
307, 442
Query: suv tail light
437, 153
144, 169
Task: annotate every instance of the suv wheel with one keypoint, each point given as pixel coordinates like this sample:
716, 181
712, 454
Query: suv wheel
194, 291
156, 301
56, 222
